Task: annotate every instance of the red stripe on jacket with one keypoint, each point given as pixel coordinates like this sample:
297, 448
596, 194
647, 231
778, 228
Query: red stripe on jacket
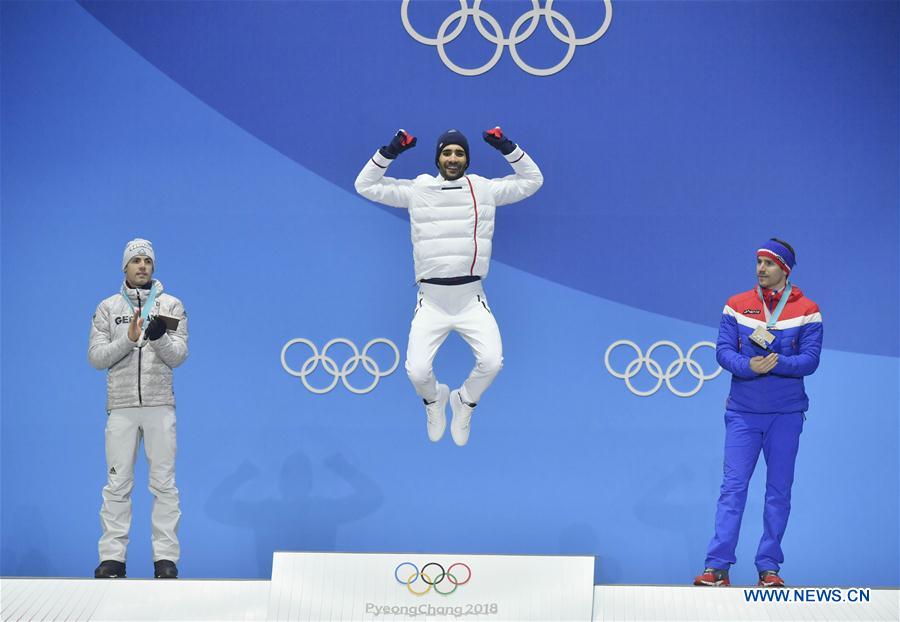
475, 232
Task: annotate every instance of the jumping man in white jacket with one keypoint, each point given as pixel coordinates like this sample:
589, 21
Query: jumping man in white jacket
130, 339
451, 217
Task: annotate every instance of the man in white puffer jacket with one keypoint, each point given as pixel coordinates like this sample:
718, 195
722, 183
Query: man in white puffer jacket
451, 217
140, 404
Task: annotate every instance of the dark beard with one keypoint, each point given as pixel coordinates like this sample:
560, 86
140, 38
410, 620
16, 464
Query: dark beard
447, 175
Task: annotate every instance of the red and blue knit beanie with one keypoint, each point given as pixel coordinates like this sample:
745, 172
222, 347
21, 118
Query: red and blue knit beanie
779, 253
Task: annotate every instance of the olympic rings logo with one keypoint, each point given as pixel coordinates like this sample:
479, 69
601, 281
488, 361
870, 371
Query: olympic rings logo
674, 368
516, 35
436, 582
331, 366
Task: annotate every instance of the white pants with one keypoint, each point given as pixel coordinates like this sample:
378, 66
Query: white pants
124, 429
463, 308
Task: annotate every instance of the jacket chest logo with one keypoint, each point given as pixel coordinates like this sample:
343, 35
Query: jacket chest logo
752, 311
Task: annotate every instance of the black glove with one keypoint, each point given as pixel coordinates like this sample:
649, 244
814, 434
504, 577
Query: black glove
155, 329
401, 142
497, 140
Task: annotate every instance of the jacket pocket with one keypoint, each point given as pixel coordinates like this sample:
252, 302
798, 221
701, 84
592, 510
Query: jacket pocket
789, 345
483, 302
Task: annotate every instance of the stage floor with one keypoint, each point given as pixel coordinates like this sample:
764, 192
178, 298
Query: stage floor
27, 599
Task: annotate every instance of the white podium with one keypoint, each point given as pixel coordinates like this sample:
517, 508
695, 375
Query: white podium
377, 586
410, 587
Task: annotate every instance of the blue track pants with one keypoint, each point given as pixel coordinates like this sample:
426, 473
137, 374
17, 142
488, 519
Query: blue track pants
778, 436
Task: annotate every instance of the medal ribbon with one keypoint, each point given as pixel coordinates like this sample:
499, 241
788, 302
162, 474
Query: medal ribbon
148, 304
772, 316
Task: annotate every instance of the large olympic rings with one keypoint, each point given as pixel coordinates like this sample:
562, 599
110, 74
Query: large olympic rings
515, 37
674, 368
331, 366
430, 582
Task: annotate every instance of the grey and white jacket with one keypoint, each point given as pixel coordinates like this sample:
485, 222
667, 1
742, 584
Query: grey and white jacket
139, 373
451, 222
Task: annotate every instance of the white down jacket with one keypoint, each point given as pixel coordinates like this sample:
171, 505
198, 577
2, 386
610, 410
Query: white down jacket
451, 222
139, 374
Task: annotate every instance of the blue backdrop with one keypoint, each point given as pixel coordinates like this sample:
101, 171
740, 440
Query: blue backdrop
230, 135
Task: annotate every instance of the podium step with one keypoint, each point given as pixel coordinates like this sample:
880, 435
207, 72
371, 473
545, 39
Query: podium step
190, 600
123, 600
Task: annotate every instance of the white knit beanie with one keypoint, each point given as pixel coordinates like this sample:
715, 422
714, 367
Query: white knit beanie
138, 247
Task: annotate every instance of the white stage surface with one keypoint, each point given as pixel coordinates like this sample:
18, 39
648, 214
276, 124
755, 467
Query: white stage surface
390, 587
190, 599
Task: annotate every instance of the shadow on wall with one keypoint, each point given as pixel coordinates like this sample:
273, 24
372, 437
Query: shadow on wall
667, 506
581, 539
297, 521
31, 562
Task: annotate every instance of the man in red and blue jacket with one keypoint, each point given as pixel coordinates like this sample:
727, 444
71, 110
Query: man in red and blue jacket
770, 338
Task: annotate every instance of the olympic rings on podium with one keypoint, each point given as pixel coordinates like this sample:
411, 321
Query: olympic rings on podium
430, 582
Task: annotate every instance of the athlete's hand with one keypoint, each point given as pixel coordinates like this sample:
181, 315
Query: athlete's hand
763, 364
402, 141
156, 329
497, 140
134, 326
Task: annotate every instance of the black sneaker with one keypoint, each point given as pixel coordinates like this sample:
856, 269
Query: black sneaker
110, 569
164, 569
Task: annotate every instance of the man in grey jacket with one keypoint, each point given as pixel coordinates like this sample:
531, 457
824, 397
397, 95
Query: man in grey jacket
139, 335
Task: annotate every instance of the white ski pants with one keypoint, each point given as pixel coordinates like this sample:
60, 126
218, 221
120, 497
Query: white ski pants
125, 427
463, 308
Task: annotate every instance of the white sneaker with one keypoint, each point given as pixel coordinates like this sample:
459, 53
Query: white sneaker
462, 418
437, 414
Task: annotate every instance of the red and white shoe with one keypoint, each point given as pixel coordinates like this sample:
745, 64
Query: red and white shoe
713, 577
770, 578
